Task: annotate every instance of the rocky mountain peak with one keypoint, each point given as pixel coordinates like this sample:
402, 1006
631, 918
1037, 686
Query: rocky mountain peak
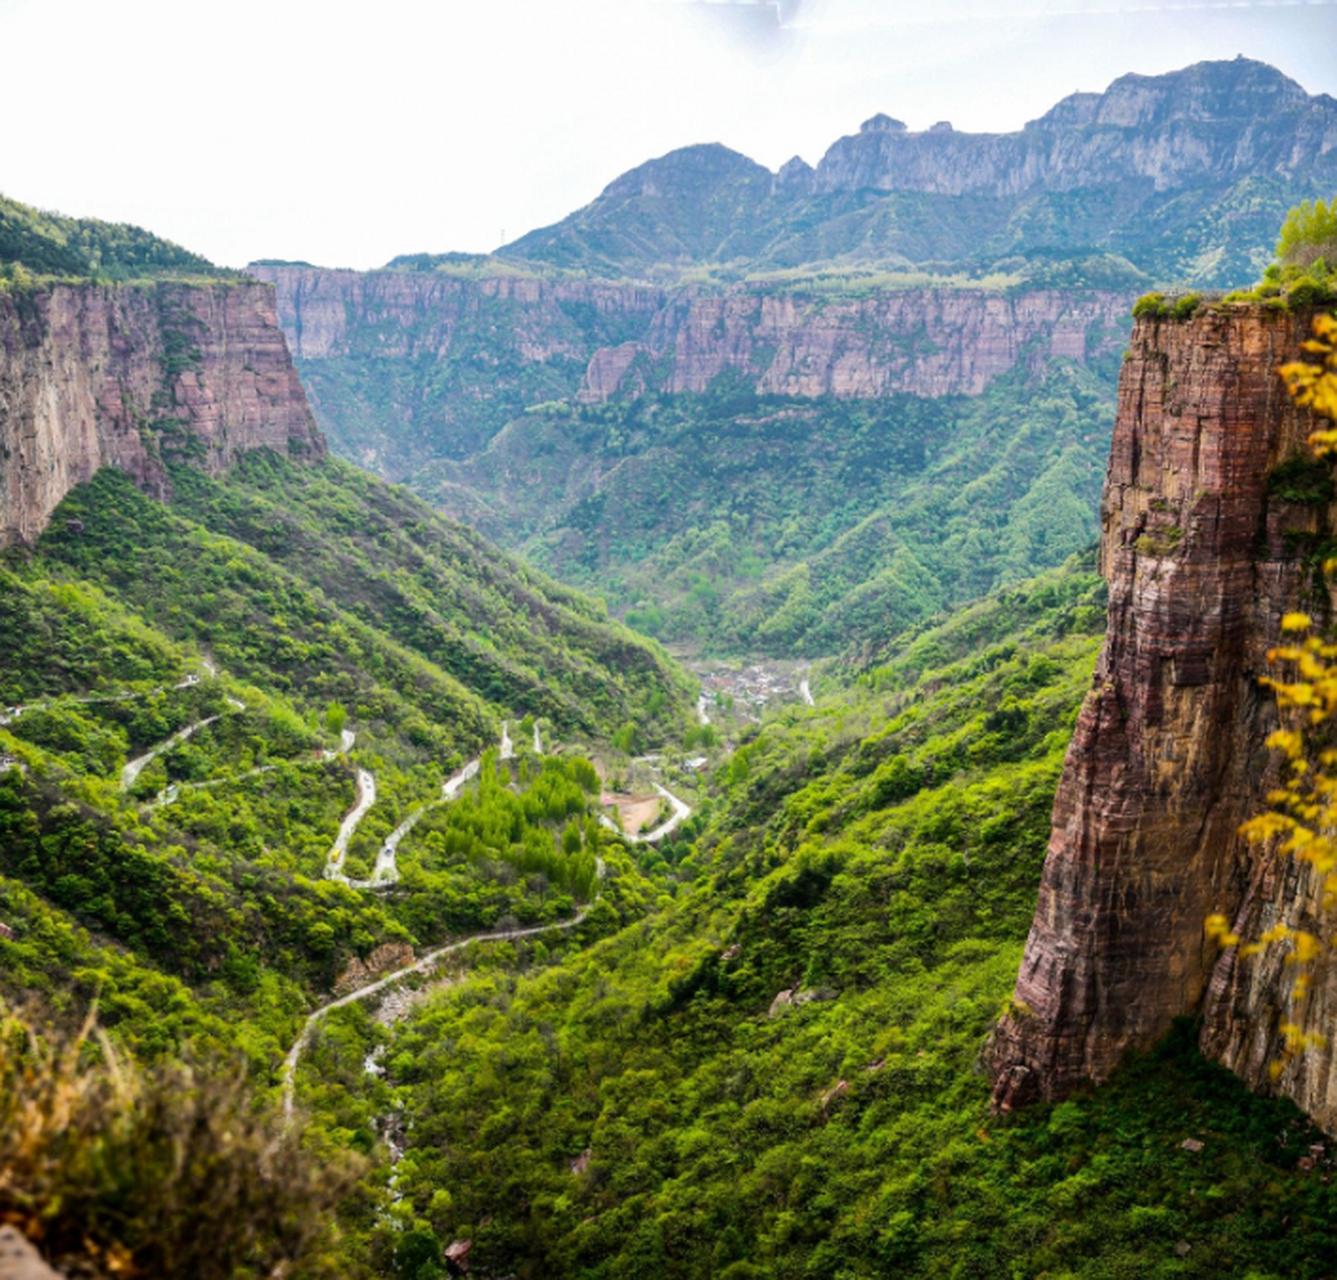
882, 123
686, 171
1241, 90
794, 177
1204, 123
1185, 177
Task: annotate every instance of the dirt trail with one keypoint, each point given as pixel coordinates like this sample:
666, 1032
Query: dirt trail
681, 812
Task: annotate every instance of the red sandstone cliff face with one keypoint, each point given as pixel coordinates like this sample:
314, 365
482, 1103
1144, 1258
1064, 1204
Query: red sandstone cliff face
101, 375
927, 342
1169, 755
396, 314
595, 342
931, 342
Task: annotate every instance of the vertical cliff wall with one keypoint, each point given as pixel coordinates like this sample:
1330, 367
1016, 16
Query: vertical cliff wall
405, 368
1203, 556
131, 376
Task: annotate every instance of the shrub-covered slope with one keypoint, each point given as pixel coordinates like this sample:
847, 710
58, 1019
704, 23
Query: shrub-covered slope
778, 1075
324, 575
243, 634
731, 521
50, 244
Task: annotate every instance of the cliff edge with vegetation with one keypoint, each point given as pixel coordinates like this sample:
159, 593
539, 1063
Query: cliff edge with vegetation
1213, 516
134, 376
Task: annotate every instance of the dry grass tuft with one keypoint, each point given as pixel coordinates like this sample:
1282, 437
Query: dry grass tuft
120, 1171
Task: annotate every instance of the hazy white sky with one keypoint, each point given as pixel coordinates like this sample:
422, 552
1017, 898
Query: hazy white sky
346, 134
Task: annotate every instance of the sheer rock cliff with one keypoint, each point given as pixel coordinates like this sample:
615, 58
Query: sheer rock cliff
1170, 756
454, 360
131, 376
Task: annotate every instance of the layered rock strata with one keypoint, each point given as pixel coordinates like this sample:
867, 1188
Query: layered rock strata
927, 342
1169, 756
459, 358
131, 376
327, 314
923, 341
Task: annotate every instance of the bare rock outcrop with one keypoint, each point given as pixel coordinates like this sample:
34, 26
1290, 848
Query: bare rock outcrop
1169, 755
130, 376
19, 1260
1213, 122
386, 958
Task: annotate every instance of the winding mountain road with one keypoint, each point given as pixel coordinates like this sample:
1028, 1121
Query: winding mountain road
365, 797
385, 871
288, 1077
10, 714
137, 766
173, 792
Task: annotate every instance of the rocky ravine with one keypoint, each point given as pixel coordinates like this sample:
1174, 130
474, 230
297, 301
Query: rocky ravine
127, 376
1169, 755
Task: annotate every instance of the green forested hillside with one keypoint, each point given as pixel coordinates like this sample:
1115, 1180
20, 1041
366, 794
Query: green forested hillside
50, 244
254, 750
776, 1075
244, 634
319, 576
734, 522
649, 1104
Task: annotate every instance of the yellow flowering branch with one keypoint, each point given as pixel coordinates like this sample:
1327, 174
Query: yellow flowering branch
1303, 811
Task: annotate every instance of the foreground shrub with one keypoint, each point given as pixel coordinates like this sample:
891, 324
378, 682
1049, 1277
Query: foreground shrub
170, 1171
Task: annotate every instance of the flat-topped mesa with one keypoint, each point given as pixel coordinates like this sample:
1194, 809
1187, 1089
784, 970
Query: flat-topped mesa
1205, 547
133, 376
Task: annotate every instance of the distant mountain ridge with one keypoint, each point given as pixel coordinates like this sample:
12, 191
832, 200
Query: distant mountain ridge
633, 397
1176, 177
